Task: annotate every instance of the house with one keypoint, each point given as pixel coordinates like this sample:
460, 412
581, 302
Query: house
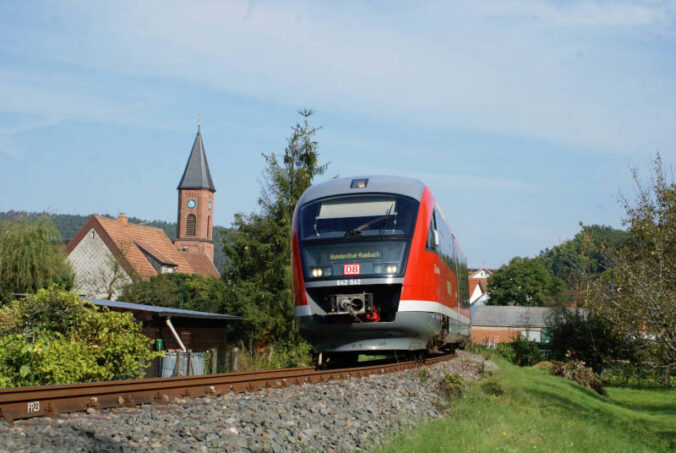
501, 324
107, 254
478, 288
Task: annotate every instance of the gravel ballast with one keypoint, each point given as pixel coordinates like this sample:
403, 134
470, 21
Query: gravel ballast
339, 416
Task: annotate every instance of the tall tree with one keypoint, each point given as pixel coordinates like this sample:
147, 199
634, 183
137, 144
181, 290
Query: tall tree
573, 259
638, 292
31, 257
259, 246
524, 282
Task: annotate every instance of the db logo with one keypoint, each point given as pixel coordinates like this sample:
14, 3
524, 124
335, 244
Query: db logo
352, 269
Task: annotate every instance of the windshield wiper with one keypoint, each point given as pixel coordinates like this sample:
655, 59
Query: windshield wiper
357, 231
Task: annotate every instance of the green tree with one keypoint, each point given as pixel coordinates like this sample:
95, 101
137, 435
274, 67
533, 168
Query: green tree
31, 257
577, 257
524, 282
189, 292
637, 293
259, 246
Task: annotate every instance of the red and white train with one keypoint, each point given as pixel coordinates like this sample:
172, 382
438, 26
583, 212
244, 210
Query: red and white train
376, 269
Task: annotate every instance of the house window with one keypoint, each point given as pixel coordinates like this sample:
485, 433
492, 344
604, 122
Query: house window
192, 224
167, 269
531, 335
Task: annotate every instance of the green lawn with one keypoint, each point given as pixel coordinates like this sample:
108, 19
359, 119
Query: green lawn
539, 412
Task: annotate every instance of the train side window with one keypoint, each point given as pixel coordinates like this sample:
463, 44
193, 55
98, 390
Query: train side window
433, 235
430, 238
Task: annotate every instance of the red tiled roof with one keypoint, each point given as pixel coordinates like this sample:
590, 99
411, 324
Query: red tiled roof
155, 253
201, 264
481, 282
130, 240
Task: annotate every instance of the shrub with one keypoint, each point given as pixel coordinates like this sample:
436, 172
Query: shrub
525, 352
451, 385
587, 337
54, 338
575, 370
520, 351
505, 351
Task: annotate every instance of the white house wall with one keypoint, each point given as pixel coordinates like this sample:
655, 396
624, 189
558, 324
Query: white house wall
94, 266
476, 294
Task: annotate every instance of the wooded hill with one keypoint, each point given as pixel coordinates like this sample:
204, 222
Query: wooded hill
69, 224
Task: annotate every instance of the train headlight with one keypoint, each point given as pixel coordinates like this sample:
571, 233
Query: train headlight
391, 268
378, 268
321, 272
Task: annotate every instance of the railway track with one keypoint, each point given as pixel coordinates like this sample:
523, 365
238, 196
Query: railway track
50, 401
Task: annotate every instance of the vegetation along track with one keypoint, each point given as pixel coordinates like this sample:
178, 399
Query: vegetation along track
26, 402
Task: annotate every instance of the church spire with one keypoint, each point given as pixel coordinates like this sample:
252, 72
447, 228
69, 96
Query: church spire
196, 174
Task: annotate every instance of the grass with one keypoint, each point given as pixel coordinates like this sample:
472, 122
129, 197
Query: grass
527, 410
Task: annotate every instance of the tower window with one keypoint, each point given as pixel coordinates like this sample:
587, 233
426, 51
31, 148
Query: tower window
192, 225
209, 226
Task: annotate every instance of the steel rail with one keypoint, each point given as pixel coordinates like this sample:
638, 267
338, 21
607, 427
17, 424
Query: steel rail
50, 401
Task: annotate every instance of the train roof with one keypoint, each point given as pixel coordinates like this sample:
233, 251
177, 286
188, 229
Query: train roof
375, 184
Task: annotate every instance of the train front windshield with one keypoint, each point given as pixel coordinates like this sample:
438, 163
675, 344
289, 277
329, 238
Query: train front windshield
356, 236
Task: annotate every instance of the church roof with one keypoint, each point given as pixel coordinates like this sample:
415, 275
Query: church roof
196, 174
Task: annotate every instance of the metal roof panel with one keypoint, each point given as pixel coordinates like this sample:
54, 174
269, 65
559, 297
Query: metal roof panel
376, 184
161, 311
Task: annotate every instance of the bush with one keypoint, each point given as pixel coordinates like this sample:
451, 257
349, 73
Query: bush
525, 352
54, 338
576, 371
520, 351
451, 385
588, 337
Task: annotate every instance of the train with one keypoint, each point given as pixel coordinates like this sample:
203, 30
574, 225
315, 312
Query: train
376, 269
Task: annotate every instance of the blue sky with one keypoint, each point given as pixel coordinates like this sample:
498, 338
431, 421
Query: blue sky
524, 118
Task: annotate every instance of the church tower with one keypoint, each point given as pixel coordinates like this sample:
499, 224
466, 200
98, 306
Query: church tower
196, 204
